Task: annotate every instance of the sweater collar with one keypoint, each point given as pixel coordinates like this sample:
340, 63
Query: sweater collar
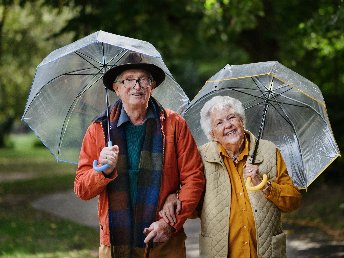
123, 117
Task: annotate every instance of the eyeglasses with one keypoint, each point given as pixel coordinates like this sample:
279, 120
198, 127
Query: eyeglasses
144, 82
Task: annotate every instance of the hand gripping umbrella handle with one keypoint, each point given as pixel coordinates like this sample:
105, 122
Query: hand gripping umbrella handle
249, 186
104, 167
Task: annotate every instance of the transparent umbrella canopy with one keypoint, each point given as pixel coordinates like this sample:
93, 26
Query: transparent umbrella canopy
280, 106
67, 92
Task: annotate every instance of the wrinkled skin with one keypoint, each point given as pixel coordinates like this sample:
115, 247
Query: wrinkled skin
171, 208
158, 231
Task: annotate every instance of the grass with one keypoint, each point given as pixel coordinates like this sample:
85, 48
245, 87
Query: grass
25, 231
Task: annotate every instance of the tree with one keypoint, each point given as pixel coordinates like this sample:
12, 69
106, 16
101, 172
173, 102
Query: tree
189, 34
25, 37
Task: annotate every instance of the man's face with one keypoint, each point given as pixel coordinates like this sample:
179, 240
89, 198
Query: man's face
227, 127
131, 92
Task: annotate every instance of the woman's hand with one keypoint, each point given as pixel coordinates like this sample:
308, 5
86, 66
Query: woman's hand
252, 171
171, 207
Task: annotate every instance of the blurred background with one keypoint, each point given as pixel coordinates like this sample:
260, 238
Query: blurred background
196, 38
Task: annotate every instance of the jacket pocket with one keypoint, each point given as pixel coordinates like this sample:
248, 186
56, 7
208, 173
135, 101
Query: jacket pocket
279, 245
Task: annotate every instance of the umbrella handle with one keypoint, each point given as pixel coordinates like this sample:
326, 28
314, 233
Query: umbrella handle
104, 167
249, 187
148, 246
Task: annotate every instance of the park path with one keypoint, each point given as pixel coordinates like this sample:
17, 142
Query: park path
302, 241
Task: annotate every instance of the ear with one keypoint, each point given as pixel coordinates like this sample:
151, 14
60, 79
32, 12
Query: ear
115, 88
153, 85
242, 123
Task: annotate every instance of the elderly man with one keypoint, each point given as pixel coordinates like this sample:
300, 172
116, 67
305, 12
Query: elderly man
236, 222
153, 155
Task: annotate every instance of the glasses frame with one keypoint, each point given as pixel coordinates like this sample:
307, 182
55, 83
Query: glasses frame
137, 81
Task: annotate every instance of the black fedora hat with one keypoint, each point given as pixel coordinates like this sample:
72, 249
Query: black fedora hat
133, 61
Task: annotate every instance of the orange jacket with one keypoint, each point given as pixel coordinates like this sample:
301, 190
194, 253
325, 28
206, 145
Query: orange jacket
182, 169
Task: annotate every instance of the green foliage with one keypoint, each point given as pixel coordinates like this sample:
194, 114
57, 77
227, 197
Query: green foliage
25, 37
40, 166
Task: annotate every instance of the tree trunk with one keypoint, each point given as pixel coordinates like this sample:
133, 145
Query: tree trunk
5, 129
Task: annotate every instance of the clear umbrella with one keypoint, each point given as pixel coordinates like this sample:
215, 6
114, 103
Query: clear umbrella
280, 106
67, 92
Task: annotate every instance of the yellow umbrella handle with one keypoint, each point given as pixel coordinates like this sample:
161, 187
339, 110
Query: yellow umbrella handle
249, 186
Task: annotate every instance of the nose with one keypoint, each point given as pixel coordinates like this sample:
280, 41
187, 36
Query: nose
137, 85
228, 123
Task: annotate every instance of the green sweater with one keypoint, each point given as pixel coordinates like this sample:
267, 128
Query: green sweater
135, 135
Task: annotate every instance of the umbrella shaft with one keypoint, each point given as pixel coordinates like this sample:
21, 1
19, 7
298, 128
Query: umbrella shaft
107, 112
262, 125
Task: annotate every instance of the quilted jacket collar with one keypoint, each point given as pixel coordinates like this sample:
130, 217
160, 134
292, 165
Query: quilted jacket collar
212, 151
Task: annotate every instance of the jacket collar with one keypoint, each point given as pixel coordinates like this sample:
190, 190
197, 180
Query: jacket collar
211, 153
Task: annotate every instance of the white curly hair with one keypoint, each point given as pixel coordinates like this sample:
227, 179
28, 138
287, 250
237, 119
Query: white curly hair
219, 103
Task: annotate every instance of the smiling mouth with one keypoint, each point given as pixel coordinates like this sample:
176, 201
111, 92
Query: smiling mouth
137, 94
231, 132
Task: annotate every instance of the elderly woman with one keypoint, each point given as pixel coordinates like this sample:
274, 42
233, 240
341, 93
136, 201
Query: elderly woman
236, 222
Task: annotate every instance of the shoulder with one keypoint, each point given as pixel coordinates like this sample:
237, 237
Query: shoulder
266, 146
174, 119
269, 145
263, 144
172, 115
209, 151
94, 127
266, 151
205, 147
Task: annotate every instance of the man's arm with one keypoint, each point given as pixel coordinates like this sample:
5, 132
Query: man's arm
191, 174
191, 181
88, 183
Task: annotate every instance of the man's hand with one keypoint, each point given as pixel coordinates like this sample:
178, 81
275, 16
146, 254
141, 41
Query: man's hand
159, 231
171, 207
109, 155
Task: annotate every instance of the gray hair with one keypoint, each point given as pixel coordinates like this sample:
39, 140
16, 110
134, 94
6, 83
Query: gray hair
219, 103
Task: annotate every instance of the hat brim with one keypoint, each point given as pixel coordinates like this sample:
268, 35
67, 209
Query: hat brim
110, 76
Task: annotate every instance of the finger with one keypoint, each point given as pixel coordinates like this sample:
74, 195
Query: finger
170, 215
150, 236
166, 217
115, 148
246, 173
173, 214
146, 231
249, 168
179, 207
162, 215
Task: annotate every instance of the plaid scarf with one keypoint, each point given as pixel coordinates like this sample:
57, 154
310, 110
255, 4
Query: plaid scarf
126, 224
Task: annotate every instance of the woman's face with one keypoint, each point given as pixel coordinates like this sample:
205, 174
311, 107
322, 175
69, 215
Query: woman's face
136, 95
227, 127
